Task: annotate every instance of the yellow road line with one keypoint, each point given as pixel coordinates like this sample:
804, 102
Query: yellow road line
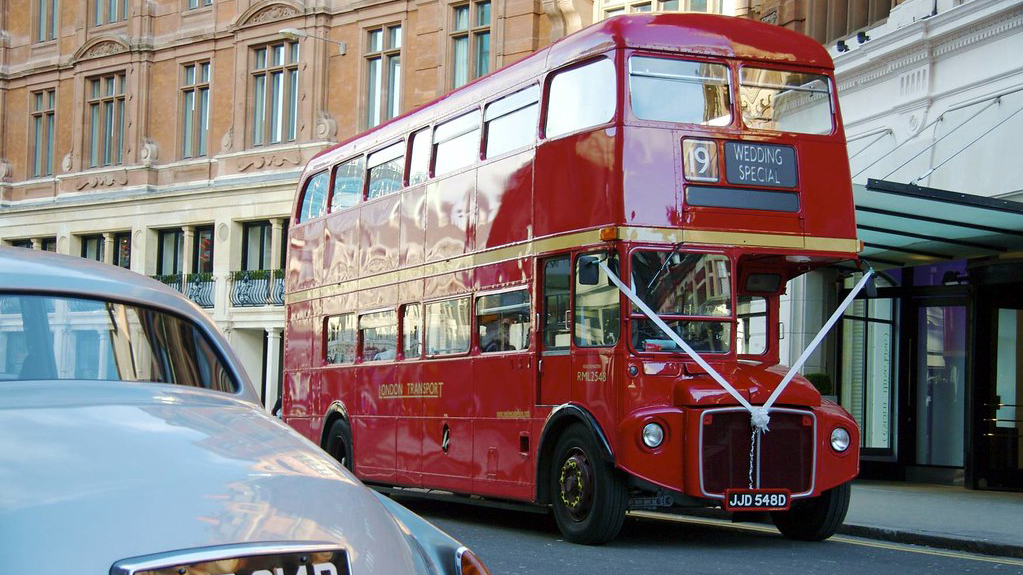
835, 538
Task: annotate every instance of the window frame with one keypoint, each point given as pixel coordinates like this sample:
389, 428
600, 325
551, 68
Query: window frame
383, 93
263, 105
122, 258
472, 33
100, 245
478, 342
45, 19
177, 258
420, 333
354, 328
361, 338
43, 104
393, 152
105, 119
265, 245
449, 131
194, 123
305, 206
101, 15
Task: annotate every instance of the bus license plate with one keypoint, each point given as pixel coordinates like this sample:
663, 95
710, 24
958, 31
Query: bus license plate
757, 500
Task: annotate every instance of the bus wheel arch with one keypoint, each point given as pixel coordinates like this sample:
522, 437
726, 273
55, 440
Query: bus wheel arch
337, 436
560, 419
589, 497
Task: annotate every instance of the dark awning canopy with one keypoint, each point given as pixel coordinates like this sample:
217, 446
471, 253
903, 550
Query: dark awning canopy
907, 225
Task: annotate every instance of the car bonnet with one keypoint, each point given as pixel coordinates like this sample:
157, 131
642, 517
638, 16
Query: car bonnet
95, 472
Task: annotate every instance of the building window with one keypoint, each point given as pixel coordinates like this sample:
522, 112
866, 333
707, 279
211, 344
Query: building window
122, 250
170, 248
195, 109
609, 8
106, 120
275, 91
470, 42
256, 245
92, 247
340, 335
202, 254
49, 245
110, 11
26, 244
383, 74
46, 20
43, 115
193, 4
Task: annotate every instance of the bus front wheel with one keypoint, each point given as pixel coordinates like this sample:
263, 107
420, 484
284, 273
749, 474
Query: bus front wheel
589, 497
814, 519
339, 443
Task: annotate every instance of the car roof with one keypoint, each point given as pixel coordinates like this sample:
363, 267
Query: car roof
37, 271
23, 269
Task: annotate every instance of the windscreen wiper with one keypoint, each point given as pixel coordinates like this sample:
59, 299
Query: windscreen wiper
674, 250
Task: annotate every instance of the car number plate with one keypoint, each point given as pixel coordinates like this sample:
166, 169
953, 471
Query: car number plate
757, 499
301, 562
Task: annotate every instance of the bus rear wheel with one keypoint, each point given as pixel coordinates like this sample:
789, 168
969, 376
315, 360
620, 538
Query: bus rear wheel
814, 519
589, 497
339, 443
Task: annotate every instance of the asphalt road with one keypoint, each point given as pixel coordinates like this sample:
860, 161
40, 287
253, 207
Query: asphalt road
522, 543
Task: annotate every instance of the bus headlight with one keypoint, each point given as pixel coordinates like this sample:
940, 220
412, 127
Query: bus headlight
653, 435
839, 439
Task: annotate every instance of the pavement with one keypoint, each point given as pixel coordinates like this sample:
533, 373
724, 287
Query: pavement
949, 517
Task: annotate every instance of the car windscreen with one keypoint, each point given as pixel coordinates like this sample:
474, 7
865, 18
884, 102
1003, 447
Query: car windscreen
45, 337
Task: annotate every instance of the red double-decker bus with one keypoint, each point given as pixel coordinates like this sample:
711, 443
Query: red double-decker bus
559, 285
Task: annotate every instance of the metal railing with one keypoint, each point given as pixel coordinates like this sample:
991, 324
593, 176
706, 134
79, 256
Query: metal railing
198, 287
256, 288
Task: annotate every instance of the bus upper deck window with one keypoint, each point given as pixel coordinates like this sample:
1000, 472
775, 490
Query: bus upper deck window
786, 101
683, 91
511, 121
580, 98
348, 179
386, 168
419, 164
314, 200
457, 143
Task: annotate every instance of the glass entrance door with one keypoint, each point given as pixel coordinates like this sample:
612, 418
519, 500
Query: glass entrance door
940, 385
998, 441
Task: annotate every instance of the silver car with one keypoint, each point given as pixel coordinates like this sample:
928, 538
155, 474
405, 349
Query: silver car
131, 442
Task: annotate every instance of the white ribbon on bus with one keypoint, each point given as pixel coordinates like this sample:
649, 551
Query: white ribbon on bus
759, 415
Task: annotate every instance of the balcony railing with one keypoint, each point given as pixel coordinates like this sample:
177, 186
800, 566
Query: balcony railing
198, 287
255, 288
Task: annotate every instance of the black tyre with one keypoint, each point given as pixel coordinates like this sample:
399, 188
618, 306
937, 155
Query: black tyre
589, 498
339, 443
814, 519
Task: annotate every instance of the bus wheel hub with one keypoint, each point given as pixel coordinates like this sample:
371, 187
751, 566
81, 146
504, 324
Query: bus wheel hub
576, 483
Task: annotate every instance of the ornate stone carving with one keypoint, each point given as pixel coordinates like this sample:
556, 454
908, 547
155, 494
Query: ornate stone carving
103, 180
271, 161
227, 140
5, 170
149, 152
272, 13
103, 49
66, 162
326, 126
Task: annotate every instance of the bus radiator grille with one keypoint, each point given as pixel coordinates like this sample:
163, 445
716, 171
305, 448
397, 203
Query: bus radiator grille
785, 459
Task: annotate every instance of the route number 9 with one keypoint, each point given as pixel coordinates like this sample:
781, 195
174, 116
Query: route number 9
700, 160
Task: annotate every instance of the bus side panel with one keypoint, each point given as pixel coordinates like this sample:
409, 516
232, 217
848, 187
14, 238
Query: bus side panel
575, 186
448, 213
504, 384
305, 263
375, 426
451, 409
650, 190
409, 429
341, 247
504, 190
412, 249
594, 384
380, 231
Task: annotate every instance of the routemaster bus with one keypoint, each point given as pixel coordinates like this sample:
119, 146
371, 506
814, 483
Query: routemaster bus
559, 285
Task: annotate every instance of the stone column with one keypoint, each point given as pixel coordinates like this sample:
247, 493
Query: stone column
188, 249
277, 228
273, 365
108, 248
